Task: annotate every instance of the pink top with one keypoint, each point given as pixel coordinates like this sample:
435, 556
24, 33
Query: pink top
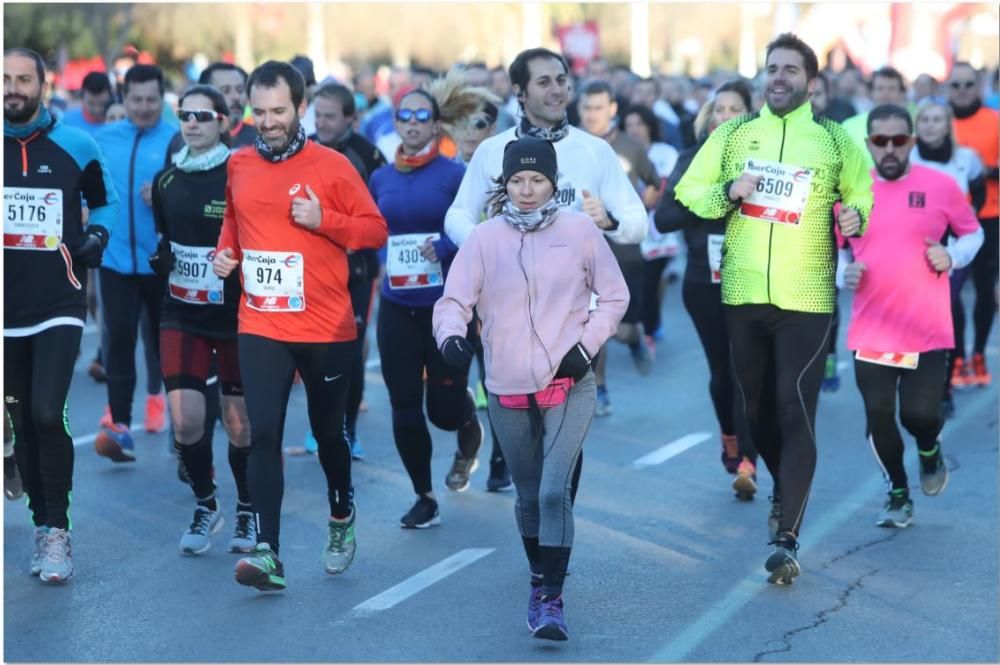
902, 304
541, 280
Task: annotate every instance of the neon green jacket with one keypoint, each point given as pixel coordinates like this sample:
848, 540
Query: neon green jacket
789, 265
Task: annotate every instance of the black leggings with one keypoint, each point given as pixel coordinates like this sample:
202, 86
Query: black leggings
651, 273
796, 344
123, 297
361, 299
920, 392
37, 374
407, 347
703, 303
984, 269
268, 367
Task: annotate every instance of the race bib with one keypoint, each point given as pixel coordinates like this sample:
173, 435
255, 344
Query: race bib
192, 280
406, 266
781, 194
898, 360
715, 256
274, 281
658, 245
32, 218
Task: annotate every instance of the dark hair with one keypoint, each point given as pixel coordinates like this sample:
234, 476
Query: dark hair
269, 73
339, 93
519, 71
598, 88
95, 83
821, 77
654, 81
143, 74
28, 53
435, 109
740, 87
886, 111
789, 41
305, 67
205, 78
423, 71
887, 73
647, 117
962, 63
213, 93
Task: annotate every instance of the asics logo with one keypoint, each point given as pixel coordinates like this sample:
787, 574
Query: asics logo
295, 189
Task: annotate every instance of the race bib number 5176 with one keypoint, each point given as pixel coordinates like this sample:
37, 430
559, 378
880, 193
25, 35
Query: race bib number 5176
32, 218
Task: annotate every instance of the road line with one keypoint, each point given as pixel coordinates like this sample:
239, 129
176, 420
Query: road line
90, 438
425, 578
672, 449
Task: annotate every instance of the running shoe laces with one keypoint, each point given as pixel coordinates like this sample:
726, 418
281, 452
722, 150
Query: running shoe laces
56, 545
244, 526
202, 521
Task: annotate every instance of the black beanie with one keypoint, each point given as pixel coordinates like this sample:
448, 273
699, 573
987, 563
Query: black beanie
530, 154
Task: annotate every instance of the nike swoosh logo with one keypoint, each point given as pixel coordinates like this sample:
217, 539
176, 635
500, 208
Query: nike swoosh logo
328, 379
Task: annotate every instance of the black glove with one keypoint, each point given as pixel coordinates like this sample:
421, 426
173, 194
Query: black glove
575, 364
90, 252
162, 262
458, 352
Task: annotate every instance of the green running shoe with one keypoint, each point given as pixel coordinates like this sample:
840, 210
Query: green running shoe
339, 552
261, 570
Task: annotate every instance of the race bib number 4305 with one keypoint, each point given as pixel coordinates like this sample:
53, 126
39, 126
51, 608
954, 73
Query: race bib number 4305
406, 266
274, 281
781, 193
33, 218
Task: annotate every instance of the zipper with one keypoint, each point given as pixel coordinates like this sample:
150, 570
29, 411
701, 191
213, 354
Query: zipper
770, 236
24, 152
131, 201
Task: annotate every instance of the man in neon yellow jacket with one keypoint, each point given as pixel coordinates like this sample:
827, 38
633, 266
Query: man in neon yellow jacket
775, 176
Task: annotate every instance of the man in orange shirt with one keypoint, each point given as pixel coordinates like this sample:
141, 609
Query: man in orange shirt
293, 208
976, 127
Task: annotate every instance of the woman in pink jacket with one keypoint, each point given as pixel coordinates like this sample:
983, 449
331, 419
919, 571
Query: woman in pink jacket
530, 271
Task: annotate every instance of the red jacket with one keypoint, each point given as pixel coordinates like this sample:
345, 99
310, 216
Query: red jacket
295, 279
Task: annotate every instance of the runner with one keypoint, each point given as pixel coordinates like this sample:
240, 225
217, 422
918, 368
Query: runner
774, 176
231, 81
413, 195
540, 340
900, 329
47, 251
198, 318
292, 208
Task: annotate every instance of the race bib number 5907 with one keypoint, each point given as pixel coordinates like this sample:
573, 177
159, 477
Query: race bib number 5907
33, 218
781, 193
274, 281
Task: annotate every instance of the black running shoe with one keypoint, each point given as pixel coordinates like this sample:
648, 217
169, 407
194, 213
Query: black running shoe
423, 514
499, 480
782, 564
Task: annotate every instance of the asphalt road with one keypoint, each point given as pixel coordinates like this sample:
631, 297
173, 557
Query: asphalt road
667, 566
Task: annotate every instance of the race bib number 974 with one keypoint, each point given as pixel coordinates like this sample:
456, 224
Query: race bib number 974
32, 218
781, 194
274, 281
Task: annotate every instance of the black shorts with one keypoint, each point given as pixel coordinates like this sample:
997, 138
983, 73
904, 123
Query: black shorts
186, 360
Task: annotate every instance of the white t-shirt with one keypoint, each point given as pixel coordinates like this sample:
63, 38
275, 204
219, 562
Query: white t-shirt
584, 162
664, 157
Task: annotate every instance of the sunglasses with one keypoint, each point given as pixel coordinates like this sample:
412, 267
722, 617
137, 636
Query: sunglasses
406, 115
480, 123
198, 115
899, 140
958, 85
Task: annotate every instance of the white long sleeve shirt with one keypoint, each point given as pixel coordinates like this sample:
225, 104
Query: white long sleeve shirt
585, 163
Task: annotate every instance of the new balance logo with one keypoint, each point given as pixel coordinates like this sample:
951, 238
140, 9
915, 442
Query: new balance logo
270, 300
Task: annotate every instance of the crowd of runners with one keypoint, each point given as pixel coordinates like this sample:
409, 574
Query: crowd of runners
522, 217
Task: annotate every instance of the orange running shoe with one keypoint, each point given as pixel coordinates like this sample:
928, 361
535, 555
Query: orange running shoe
730, 453
106, 418
961, 375
980, 375
156, 414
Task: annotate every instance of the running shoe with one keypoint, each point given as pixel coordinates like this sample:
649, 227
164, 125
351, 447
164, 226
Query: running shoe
551, 623
245, 534
339, 552
156, 414
897, 513
204, 524
261, 570
980, 374
423, 514
650, 343
933, 472
730, 453
641, 357
534, 605
482, 401
470, 439
961, 374
774, 518
13, 488
499, 480
115, 443
38, 555
746, 480
357, 452
457, 479
603, 406
106, 420
57, 565
831, 380
782, 564
311, 445
96, 371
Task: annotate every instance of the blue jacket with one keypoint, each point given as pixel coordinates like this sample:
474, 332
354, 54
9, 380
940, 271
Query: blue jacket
133, 157
416, 202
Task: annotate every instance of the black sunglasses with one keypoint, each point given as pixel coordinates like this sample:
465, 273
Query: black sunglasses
201, 116
958, 85
405, 115
880, 140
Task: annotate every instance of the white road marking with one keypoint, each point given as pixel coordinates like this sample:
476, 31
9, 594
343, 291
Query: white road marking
671, 450
425, 578
90, 438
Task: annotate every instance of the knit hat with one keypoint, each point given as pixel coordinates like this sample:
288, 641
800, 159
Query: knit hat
530, 154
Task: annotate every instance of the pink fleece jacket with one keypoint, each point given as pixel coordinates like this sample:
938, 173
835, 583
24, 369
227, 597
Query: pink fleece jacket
533, 293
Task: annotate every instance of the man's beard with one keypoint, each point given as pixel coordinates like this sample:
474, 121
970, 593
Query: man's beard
893, 175
293, 129
24, 114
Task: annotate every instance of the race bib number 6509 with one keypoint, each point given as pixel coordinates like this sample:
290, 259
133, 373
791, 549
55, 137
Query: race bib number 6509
274, 281
781, 193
